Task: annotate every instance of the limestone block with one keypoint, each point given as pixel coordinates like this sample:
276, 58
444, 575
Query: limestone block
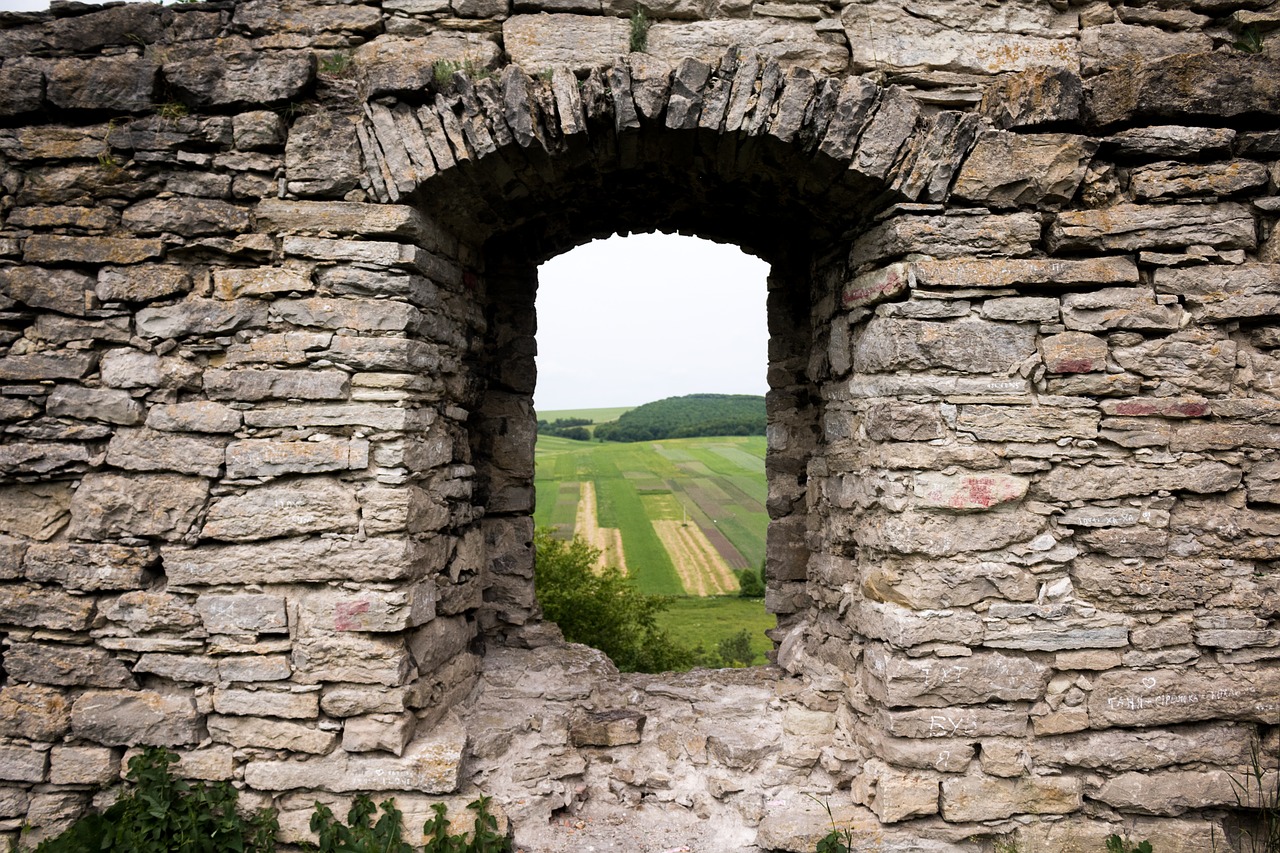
351, 701
371, 610
142, 611
895, 795
377, 416
983, 798
1263, 482
91, 567
35, 511
352, 658
1218, 85
189, 217
131, 718
121, 83
788, 43
1081, 835
364, 315
606, 728
374, 559
1149, 585
1118, 308
1167, 792
1174, 180
1110, 45
893, 122
945, 755
1193, 360
1171, 141
1035, 96
86, 218
1074, 352
297, 507
878, 285
100, 404
1026, 423
40, 367
1096, 481
798, 825
967, 492
12, 553
1127, 697
903, 628
266, 733
1217, 294
83, 765
247, 78
199, 316
390, 510
405, 64
266, 703
22, 764
57, 248
33, 712
163, 506
259, 667
1022, 309
235, 613
1052, 627
955, 236
130, 368
55, 329
431, 764
1015, 169
322, 154
177, 667
894, 38
895, 421
264, 457
947, 534
887, 345
955, 722
1227, 532
260, 281
195, 416
21, 90
923, 584
1126, 227
14, 801
1010, 272
57, 290
379, 733
1123, 750
257, 130
895, 679
34, 606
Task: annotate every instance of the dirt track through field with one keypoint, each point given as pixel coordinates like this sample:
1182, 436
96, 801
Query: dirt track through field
607, 539
701, 568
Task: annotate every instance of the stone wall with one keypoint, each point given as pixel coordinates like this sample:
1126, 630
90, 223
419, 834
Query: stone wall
268, 275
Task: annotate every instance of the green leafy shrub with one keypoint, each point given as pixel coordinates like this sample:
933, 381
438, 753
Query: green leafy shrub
161, 814
362, 834
602, 609
736, 650
749, 584
1116, 844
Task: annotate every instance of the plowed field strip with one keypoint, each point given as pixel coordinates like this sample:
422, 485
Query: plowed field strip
701, 568
607, 539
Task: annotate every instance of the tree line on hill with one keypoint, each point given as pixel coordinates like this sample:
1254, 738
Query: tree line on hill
575, 428
689, 416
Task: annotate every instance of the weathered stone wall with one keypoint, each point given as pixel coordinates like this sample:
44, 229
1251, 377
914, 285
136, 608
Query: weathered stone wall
268, 281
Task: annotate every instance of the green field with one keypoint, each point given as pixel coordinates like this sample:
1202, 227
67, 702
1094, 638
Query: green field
715, 484
597, 416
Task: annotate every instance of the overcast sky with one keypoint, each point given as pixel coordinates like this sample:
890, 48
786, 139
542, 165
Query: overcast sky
625, 321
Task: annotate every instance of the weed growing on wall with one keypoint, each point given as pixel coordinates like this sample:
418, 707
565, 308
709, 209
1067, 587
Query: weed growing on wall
1258, 789
639, 31
1116, 844
161, 814
362, 834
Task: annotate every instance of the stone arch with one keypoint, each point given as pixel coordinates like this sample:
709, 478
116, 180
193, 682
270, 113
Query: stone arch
785, 163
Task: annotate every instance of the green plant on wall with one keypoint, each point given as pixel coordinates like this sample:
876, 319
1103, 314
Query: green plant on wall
1258, 789
1116, 844
363, 834
162, 814
639, 31
1250, 40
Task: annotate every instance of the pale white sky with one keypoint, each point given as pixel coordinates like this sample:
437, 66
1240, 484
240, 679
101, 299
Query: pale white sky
626, 321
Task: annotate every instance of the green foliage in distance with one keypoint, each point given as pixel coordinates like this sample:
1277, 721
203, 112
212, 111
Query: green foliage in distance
362, 834
749, 584
736, 651
574, 428
160, 814
604, 610
688, 417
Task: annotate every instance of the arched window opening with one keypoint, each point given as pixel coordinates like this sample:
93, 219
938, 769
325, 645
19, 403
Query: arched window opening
650, 460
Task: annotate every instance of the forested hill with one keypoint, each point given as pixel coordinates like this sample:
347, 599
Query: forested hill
687, 417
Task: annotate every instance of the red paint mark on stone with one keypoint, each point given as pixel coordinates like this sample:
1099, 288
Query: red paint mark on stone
975, 492
345, 613
1181, 410
1075, 365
